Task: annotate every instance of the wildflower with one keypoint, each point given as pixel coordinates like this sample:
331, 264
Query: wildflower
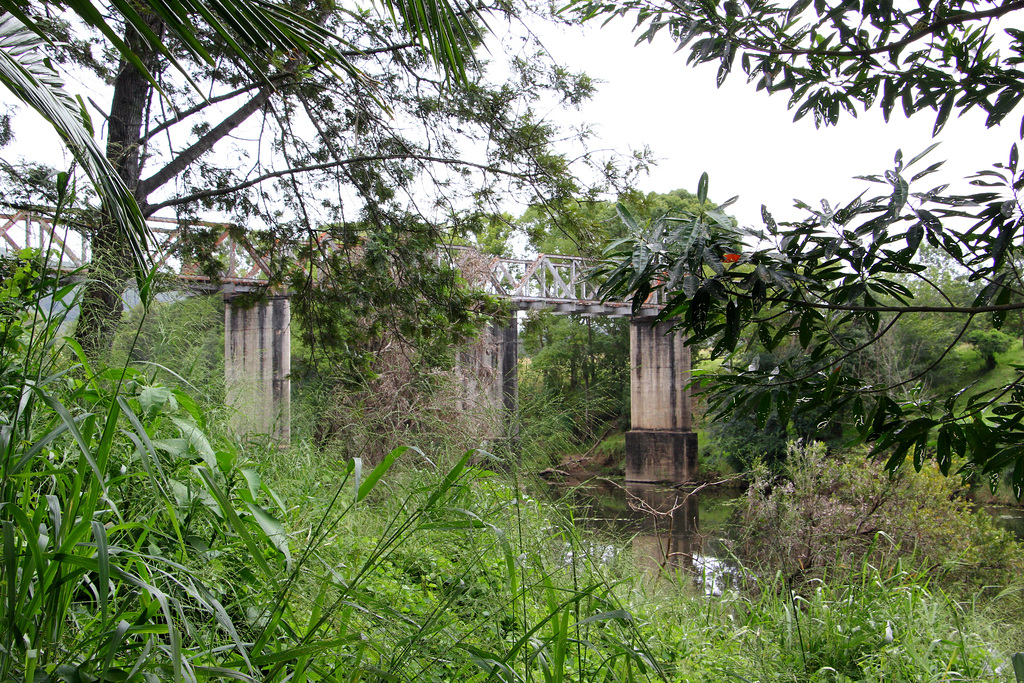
730, 258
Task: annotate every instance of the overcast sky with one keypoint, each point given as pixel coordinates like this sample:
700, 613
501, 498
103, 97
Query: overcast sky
745, 140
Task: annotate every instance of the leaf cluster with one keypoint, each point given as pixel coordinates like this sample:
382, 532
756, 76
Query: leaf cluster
835, 56
832, 285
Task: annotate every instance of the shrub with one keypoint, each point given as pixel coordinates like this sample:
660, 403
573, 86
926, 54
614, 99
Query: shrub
837, 511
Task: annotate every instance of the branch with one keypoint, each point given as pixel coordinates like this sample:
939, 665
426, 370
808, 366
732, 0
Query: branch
962, 310
934, 364
925, 31
184, 159
206, 194
181, 116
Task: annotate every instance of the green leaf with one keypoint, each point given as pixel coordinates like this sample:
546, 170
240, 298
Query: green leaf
732, 325
99, 533
832, 381
605, 616
453, 476
627, 217
288, 654
197, 441
764, 409
253, 483
806, 329
153, 400
274, 531
378, 472
702, 188
697, 314
30, 79
943, 453
712, 259
237, 525
690, 285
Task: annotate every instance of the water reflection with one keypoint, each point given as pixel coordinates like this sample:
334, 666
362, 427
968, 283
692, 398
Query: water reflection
1009, 518
672, 531
662, 524
669, 523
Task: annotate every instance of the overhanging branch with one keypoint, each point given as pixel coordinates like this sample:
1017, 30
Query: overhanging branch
914, 36
219, 192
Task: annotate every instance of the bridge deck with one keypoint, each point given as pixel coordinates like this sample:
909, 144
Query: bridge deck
561, 284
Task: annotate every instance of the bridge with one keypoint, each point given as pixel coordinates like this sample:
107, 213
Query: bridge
660, 446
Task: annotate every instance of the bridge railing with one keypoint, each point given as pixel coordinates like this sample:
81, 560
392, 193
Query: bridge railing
563, 282
550, 277
26, 229
549, 280
68, 249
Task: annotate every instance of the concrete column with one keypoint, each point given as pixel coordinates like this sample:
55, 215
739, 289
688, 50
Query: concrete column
659, 446
506, 333
488, 370
257, 367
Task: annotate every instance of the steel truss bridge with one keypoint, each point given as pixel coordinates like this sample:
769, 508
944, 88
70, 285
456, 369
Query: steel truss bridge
547, 282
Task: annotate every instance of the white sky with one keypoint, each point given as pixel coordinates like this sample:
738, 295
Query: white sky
745, 140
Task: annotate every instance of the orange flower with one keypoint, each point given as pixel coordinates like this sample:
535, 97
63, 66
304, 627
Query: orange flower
730, 258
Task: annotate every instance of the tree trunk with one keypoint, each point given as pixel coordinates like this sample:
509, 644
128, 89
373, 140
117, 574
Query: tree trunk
110, 268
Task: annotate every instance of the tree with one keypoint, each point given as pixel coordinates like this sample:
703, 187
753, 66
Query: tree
832, 283
26, 32
328, 158
989, 343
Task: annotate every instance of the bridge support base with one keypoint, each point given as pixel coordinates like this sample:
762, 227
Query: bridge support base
660, 456
660, 447
257, 367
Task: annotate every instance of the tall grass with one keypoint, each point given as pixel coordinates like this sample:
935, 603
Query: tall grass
880, 626
137, 544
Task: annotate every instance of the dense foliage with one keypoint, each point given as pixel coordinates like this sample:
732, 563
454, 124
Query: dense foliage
141, 543
578, 366
333, 138
838, 280
825, 512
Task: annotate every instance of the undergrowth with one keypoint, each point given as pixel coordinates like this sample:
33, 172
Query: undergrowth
139, 543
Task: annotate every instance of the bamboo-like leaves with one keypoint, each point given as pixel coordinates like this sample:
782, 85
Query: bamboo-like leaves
833, 285
249, 28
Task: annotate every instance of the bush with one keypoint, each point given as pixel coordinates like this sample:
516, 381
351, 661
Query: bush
836, 512
989, 343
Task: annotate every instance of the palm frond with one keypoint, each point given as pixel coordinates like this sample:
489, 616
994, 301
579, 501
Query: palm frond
29, 78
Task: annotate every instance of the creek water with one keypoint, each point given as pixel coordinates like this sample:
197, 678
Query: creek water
666, 528
670, 530
1009, 518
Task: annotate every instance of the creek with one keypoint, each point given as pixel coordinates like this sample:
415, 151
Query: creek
668, 529
665, 527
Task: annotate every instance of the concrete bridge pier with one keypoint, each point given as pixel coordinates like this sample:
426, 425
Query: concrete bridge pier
505, 332
659, 446
257, 367
489, 373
